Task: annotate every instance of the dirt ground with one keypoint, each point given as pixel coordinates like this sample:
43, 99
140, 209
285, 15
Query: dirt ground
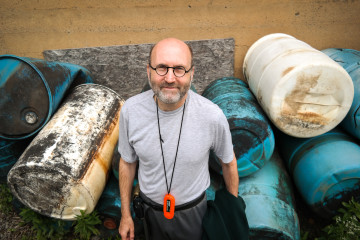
10, 227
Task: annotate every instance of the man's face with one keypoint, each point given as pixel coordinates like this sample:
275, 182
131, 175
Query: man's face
169, 88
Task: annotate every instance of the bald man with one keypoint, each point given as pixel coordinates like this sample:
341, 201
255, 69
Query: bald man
170, 131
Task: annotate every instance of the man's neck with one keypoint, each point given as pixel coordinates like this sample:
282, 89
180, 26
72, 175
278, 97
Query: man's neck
167, 107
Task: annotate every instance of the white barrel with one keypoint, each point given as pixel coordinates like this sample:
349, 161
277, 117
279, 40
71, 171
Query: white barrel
64, 169
302, 90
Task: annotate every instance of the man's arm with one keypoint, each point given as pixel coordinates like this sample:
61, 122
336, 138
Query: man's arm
126, 179
231, 176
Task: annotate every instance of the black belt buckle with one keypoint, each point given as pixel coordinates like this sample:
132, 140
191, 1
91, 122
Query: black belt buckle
138, 207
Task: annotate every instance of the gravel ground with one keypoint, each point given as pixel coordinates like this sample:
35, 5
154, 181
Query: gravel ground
10, 227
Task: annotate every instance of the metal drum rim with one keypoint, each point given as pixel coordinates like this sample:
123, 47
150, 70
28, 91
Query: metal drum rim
48, 92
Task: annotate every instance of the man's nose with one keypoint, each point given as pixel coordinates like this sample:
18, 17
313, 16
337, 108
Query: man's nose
170, 76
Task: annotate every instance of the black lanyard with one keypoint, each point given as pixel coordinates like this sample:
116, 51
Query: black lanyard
161, 141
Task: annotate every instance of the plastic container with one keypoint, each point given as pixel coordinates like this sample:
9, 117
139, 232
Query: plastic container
270, 204
325, 169
349, 59
31, 91
65, 168
303, 91
252, 136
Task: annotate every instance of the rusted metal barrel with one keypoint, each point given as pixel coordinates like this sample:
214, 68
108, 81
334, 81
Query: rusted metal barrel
270, 202
31, 91
251, 132
64, 169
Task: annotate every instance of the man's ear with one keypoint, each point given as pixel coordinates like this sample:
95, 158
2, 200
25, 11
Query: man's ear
192, 74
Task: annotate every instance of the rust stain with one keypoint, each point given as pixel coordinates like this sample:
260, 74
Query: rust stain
287, 71
292, 113
105, 148
104, 156
103, 163
105, 143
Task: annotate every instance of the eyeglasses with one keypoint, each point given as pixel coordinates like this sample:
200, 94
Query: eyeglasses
178, 71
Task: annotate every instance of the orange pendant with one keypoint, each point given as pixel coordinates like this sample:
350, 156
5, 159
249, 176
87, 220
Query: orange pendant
169, 206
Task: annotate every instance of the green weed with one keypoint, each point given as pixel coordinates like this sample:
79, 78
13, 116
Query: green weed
5, 199
346, 225
84, 226
44, 227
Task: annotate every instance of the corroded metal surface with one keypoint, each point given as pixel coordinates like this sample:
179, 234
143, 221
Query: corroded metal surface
31, 91
64, 169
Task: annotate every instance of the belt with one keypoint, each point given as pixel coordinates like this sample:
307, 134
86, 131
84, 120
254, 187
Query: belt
159, 207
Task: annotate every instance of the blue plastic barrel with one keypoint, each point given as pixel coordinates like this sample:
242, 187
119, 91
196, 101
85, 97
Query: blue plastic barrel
325, 169
270, 207
109, 205
31, 91
10, 151
349, 59
115, 162
109, 209
216, 183
252, 136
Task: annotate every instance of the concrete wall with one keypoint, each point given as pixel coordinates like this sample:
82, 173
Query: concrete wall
28, 27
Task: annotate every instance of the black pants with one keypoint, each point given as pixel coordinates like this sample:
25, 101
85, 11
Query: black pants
186, 224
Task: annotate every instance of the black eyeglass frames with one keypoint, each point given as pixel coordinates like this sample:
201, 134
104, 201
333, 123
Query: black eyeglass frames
178, 71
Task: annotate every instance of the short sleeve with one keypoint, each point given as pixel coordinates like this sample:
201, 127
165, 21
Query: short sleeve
125, 149
223, 147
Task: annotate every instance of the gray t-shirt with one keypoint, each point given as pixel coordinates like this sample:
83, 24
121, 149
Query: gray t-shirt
205, 128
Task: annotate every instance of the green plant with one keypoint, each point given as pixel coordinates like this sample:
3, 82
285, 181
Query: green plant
346, 225
304, 235
44, 227
84, 226
5, 199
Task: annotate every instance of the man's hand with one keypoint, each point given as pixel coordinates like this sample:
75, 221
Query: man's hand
126, 228
126, 179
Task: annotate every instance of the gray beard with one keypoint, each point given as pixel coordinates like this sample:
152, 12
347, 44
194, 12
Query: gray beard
168, 99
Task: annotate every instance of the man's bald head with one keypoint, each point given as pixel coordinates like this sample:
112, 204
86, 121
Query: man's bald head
171, 42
